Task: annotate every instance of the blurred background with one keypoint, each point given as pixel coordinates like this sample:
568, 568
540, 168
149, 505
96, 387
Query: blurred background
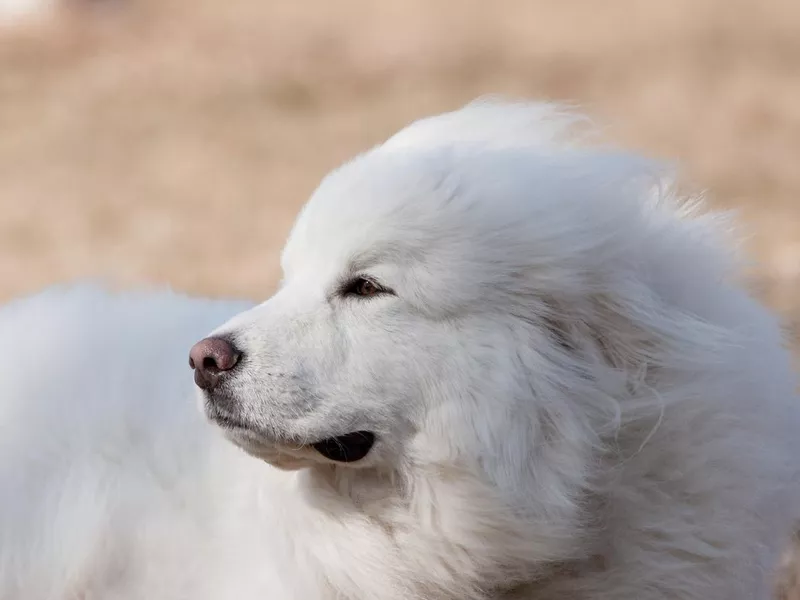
172, 141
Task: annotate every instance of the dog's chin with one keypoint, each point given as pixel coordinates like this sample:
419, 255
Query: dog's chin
347, 449
270, 454
253, 443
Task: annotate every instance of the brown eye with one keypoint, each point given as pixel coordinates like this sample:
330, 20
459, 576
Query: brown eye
366, 288
362, 287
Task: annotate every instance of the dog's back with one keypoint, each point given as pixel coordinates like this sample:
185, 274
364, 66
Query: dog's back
98, 429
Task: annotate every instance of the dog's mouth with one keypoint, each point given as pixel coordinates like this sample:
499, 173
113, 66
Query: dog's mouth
347, 448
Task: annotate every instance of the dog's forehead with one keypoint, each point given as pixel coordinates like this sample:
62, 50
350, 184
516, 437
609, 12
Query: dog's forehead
380, 205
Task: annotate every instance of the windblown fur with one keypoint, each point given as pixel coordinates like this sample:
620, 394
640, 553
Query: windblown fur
572, 396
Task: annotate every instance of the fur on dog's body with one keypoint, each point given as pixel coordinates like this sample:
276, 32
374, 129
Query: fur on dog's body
571, 397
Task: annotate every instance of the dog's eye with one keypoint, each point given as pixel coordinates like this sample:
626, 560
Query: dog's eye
361, 286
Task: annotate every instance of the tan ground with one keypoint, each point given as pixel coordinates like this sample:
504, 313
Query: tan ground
172, 141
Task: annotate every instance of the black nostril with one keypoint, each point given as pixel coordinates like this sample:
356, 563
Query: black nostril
210, 364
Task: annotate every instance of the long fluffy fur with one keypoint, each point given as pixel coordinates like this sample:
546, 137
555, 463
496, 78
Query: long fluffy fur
574, 398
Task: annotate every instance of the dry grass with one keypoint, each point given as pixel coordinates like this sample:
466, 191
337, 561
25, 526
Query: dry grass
172, 141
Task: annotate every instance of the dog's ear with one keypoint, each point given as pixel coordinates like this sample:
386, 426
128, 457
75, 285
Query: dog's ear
595, 333
631, 343
560, 331
609, 366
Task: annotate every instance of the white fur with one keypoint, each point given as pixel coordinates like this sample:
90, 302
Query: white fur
572, 396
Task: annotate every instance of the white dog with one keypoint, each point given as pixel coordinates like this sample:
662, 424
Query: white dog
499, 366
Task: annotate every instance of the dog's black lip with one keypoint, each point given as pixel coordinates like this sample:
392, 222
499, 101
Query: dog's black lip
350, 447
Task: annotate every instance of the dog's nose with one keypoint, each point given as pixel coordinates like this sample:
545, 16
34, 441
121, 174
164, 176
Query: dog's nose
211, 358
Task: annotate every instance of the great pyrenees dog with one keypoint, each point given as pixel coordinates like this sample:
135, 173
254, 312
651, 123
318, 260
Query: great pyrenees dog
500, 365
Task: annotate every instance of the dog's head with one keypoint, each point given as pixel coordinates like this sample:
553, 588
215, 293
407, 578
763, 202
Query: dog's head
475, 295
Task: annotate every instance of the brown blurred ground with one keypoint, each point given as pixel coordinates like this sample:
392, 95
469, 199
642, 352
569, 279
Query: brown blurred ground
170, 141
